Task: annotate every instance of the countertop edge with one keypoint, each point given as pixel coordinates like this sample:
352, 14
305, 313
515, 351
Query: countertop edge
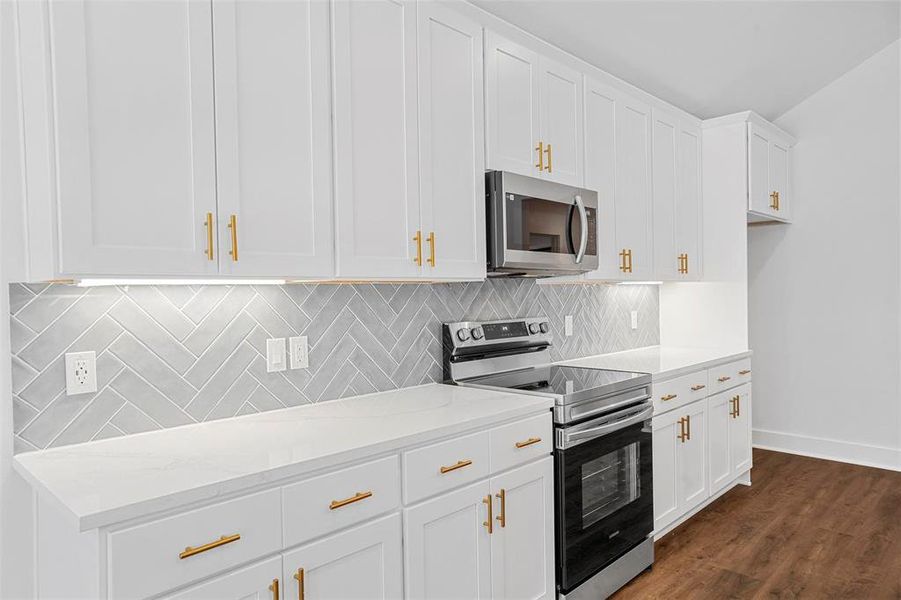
726, 356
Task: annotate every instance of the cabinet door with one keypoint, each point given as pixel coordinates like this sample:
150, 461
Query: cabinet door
512, 108
688, 201
273, 142
633, 188
666, 193
600, 172
376, 157
452, 143
740, 432
719, 417
522, 545
133, 91
447, 547
758, 171
560, 122
665, 447
778, 177
692, 459
364, 562
256, 582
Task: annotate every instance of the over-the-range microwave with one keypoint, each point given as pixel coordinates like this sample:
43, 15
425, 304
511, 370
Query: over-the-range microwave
538, 228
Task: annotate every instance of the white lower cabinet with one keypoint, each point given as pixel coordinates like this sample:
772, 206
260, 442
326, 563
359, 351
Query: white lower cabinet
257, 582
680, 462
740, 430
364, 562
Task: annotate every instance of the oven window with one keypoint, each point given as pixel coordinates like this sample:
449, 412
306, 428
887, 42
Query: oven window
536, 225
609, 483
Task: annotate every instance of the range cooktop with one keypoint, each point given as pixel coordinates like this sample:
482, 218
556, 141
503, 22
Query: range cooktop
565, 384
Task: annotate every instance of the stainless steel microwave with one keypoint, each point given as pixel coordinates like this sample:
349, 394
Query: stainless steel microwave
539, 228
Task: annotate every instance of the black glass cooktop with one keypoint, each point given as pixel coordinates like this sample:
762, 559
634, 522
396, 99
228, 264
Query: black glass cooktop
563, 381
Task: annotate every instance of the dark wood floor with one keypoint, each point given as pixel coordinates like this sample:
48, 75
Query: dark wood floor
806, 528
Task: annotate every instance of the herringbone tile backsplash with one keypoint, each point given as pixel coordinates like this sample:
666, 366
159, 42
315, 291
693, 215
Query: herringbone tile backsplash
173, 355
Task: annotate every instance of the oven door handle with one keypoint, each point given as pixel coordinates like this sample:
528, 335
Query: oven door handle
568, 438
583, 218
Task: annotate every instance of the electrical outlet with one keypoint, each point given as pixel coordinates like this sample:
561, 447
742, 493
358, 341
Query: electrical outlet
81, 373
568, 325
300, 354
634, 317
276, 357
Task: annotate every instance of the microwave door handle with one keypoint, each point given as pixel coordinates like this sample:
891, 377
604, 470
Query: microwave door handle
595, 432
583, 217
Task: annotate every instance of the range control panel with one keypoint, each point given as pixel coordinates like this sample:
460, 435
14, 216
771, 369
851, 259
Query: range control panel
475, 333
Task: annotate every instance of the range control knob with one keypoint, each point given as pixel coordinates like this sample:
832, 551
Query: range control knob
544, 327
463, 335
477, 333
533, 328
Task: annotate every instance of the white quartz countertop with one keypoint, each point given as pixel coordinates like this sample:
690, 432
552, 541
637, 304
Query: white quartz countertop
662, 362
114, 480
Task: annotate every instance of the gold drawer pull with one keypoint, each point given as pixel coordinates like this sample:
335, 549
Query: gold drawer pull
225, 539
460, 464
745, 372
355, 498
724, 379
300, 584
669, 397
697, 388
528, 442
273, 587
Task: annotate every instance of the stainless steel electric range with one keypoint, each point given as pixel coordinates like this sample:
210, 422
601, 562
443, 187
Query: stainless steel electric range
604, 509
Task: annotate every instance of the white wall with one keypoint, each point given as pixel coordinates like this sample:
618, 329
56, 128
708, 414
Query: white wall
824, 291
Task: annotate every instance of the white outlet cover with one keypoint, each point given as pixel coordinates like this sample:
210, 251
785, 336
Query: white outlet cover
81, 373
276, 357
634, 317
300, 353
568, 325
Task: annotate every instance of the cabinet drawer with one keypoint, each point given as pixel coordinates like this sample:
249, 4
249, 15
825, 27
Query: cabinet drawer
321, 505
439, 467
521, 441
729, 375
158, 556
679, 391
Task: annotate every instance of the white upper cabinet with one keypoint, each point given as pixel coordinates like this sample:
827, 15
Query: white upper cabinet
273, 141
376, 158
132, 89
600, 172
689, 207
452, 144
533, 113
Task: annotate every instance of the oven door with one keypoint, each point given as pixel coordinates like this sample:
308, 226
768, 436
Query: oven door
540, 225
604, 498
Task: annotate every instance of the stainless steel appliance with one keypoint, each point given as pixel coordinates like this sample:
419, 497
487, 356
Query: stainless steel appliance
604, 508
537, 228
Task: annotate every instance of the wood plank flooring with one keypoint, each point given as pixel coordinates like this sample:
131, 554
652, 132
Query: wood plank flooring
806, 528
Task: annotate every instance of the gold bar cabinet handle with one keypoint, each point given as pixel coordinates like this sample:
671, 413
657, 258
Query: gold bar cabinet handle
459, 465
681, 435
688, 427
233, 225
724, 379
225, 539
738, 406
431, 258
697, 388
669, 397
540, 149
273, 587
418, 239
209, 236
490, 522
299, 577
502, 518
528, 442
622, 261
355, 498
745, 372
732, 407
549, 159
629, 256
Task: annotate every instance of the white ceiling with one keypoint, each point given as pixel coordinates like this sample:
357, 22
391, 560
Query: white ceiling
713, 58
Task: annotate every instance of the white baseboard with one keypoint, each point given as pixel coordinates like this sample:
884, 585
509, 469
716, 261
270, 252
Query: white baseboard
848, 452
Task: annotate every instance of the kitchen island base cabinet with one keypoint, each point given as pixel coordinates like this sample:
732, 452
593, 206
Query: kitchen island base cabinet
255, 582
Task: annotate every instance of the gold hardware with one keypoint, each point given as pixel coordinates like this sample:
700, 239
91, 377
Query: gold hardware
540, 148
738, 406
626, 263
698, 387
774, 197
431, 241
233, 225
683, 264
209, 236
745, 372
732, 407
688, 427
528, 442
724, 379
355, 498
300, 580
681, 435
459, 465
548, 150
225, 539
629, 256
669, 397
418, 239
490, 522
502, 496
274, 589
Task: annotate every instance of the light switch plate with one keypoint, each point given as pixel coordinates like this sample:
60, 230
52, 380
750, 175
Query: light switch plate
300, 354
276, 357
568, 325
634, 317
81, 373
